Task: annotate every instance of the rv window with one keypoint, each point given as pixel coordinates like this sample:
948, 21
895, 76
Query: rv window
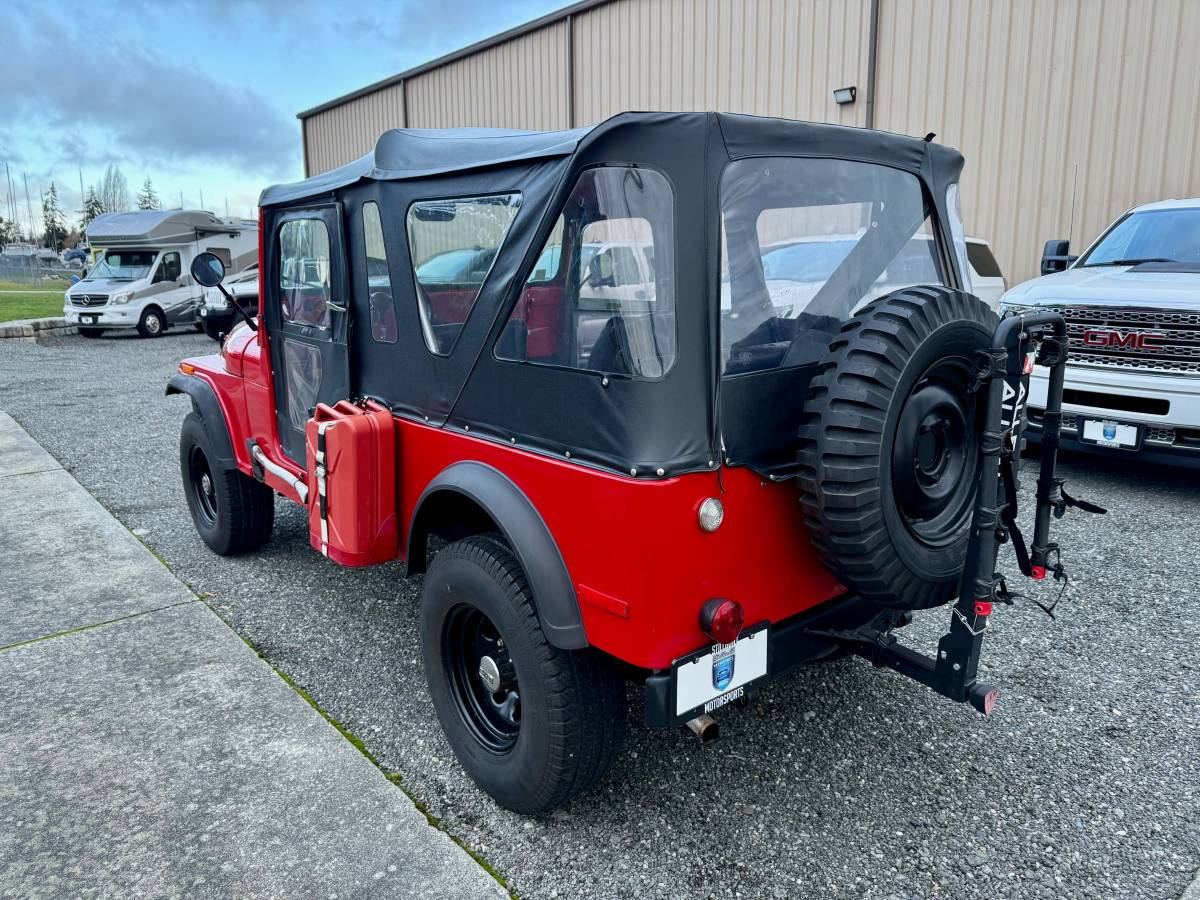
600, 295
222, 253
378, 279
169, 268
304, 272
453, 244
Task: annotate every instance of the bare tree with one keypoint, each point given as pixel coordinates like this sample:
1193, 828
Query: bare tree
114, 190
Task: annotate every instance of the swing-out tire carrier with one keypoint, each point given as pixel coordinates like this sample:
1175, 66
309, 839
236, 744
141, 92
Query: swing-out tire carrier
1004, 374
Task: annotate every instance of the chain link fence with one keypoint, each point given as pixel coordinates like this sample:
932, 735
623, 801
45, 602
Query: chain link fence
34, 273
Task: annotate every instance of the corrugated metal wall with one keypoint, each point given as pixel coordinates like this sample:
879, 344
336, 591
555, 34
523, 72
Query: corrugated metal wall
334, 137
519, 84
1027, 89
769, 57
1031, 89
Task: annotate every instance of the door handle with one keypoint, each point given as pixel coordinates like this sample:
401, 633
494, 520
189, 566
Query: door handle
336, 307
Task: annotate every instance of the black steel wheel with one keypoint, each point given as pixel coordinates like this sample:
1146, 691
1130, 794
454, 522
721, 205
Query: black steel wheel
889, 449
232, 512
482, 677
533, 725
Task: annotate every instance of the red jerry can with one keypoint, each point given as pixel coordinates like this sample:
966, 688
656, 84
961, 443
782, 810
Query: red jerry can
351, 454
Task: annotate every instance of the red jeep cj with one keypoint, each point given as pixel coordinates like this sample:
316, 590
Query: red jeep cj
688, 399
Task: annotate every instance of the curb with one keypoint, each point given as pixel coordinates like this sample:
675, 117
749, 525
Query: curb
29, 329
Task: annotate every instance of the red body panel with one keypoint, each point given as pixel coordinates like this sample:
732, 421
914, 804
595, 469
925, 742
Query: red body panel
640, 563
356, 523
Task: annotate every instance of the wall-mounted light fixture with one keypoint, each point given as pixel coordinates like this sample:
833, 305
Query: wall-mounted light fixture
845, 95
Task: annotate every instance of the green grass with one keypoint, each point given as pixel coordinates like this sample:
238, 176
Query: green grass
30, 306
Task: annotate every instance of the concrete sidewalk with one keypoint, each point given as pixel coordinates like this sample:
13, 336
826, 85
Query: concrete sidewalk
146, 750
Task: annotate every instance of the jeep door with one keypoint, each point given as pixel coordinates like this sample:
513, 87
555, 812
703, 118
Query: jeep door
308, 318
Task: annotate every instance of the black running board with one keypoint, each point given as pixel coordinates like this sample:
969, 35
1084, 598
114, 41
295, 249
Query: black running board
1003, 372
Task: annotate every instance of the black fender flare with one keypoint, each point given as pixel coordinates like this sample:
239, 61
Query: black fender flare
527, 534
205, 401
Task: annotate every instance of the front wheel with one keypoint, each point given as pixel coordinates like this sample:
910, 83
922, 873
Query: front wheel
533, 725
232, 512
152, 323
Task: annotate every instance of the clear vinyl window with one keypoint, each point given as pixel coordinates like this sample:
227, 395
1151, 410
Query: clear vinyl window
601, 293
304, 272
453, 244
805, 244
379, 279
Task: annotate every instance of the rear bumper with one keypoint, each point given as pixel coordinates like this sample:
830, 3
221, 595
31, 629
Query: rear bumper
792, 643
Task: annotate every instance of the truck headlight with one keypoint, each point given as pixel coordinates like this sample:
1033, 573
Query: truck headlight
1015, 309
122, 297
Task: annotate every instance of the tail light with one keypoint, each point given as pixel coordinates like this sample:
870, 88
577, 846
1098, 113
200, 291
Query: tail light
722, 620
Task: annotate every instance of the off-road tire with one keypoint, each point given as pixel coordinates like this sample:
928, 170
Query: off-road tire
91, 332
152, 322
237, 513
920, 339
572, 705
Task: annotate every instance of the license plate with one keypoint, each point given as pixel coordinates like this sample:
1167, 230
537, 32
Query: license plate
90, 320
708, 679
1108, 433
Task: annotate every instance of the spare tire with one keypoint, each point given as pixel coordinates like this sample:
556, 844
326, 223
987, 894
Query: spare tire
889, 446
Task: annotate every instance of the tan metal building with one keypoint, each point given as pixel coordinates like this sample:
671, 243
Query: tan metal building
1068, 111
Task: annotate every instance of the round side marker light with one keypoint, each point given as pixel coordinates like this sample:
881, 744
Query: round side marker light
712, 514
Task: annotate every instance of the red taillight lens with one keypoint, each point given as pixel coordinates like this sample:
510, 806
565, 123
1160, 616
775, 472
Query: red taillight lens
722, 620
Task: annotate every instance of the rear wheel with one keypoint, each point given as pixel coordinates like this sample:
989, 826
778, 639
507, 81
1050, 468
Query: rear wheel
152, 323
91, 332
533, 725
890, 451
232, 512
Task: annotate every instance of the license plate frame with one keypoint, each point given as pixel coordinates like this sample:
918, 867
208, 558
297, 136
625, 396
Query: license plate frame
691, 673
1124, 435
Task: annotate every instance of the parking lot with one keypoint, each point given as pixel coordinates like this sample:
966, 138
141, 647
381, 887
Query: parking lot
839, 781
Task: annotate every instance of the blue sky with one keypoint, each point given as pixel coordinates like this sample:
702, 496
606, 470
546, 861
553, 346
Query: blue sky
201, 95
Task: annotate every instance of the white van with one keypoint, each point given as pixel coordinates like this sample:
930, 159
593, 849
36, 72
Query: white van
141, 276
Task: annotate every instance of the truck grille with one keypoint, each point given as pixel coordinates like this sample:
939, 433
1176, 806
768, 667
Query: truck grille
86, 300
1175, 348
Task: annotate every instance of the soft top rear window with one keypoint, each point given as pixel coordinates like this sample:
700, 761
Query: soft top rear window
806, 243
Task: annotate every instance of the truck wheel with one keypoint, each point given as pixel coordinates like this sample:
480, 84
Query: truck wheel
152, 323
533, 725
91, 332
889, 446
232, 512
199, 326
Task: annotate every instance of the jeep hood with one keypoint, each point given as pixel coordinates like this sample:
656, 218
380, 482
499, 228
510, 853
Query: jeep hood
1110, 286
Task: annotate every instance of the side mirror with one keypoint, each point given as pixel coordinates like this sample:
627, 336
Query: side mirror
208, 270
1056, 256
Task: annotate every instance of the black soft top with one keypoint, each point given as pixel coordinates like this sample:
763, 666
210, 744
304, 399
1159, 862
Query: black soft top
685, 420
411, 153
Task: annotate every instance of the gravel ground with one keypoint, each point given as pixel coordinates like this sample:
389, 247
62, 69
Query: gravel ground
840, 781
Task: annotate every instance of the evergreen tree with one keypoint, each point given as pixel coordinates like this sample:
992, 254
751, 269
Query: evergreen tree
8, 231
92, 206
147, 198
54, 223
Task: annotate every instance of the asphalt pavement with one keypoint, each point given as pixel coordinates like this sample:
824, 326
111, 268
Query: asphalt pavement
840, 781
148, 752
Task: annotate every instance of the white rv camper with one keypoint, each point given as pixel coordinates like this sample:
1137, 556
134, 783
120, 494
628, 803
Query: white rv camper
141, 277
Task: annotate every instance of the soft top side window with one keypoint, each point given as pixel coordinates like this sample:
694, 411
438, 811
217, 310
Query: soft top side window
601, 296
379, 279
304, 272
452, 244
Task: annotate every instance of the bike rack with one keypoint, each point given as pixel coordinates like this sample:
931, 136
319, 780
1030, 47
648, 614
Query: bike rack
1003, 372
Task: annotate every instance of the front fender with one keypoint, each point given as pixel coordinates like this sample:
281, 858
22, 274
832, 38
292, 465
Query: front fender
204, 398
527, 534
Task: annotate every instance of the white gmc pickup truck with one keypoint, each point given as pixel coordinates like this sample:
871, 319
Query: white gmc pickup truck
1132, 305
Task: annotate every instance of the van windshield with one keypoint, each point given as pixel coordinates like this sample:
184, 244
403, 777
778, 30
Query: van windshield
123, 265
